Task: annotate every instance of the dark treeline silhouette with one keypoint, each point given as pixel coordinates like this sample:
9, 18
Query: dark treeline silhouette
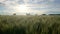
54, 14
51, 14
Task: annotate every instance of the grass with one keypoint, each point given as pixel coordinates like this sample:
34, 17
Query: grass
30, 24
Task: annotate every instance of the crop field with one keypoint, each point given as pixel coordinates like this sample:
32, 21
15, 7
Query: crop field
44, 24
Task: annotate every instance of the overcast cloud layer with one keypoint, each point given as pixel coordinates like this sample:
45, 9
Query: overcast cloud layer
7, 7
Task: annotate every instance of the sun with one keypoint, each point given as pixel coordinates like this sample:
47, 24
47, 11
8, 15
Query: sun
21, 8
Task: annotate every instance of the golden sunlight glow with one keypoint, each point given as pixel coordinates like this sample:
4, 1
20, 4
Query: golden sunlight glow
26, 9
21, 8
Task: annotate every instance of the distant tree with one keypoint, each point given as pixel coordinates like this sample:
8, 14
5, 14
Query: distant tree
14, 13
27, 13
36, 14
43, 14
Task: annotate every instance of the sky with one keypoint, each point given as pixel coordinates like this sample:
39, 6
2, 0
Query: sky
21, 7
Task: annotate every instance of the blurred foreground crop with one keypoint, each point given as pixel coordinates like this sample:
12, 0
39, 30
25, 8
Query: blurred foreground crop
29, 24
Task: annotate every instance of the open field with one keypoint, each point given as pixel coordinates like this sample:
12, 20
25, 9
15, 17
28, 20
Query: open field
30, 24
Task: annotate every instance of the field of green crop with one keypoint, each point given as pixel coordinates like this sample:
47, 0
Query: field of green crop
30, 24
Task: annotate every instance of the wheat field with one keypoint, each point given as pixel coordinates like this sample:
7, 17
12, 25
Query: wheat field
44, 24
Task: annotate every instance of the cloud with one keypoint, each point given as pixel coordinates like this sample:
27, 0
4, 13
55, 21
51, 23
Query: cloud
35, 6
3, 0
52, 12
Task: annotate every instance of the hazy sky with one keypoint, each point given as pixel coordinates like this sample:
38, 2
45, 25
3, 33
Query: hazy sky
8, 7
